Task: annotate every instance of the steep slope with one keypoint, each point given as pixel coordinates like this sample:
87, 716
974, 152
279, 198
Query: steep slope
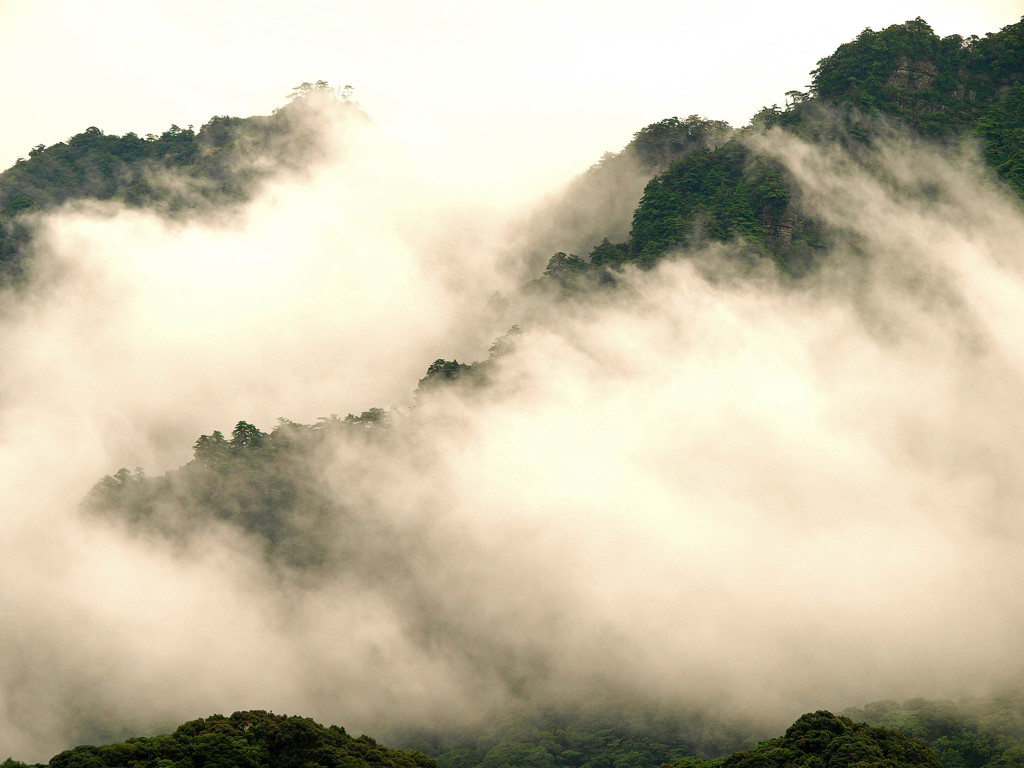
903, 80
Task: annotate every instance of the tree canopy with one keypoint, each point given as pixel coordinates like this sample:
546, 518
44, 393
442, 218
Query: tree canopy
253, 739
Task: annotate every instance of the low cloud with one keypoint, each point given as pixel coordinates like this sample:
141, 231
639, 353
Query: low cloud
699, 490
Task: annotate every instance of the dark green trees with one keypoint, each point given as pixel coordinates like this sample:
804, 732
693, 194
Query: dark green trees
220, 165
824, 740
245, 740
714, 186
266, 486
264, 740
971, 733
658, 144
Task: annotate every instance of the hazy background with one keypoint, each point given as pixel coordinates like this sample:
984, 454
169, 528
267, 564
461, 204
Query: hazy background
703, 490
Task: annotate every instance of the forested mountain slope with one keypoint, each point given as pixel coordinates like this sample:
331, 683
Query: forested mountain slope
902, 80
181, 172
973, 732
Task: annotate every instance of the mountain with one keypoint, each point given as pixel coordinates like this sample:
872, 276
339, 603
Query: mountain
904, 79
695, 186
181, 172
703, 180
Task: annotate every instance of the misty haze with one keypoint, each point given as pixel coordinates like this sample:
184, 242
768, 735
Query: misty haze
724, 430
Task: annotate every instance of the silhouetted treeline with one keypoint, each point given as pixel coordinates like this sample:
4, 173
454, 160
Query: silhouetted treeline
264, 740
243, 740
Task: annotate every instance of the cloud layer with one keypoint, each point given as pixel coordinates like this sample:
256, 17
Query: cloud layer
702, 489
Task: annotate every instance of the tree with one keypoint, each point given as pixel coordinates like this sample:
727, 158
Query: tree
209, 447
563, 268
320, 87
245, 435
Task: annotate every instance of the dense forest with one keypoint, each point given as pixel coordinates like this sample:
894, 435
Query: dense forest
265, 740
181, 172
903, 78
244, 739
970, 734
691, 181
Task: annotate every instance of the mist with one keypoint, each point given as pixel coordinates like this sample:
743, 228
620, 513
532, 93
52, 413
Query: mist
707, 488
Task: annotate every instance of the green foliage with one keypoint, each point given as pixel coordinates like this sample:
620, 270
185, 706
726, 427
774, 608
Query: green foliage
607, 253
270, 486
823, 740
938, 86
564, 269
221, 165
917, 734
247, 436
700, 195
638, 739
660, 143
720, 194
307, 90
941, 88
973, 733
442, 372
1001, 129
504, 344
861, 70
629, 737
371, 419
244, 740
265, 485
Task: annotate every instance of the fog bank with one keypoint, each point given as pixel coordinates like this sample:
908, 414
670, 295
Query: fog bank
702, 489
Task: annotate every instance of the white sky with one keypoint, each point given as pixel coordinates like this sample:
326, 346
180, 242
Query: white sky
523, 92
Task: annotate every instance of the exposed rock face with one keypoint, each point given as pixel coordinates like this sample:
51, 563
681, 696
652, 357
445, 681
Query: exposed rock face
961, 92
913, 75
786, 227
779, 232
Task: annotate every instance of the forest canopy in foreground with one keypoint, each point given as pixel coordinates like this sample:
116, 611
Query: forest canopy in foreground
265, 740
